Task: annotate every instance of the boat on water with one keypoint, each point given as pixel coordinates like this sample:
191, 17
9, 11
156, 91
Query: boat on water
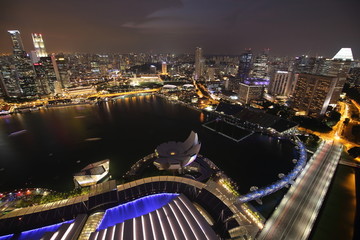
17, 133
93, 139
92, 174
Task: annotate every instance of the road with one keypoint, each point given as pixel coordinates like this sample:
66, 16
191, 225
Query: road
297, 212
338, 130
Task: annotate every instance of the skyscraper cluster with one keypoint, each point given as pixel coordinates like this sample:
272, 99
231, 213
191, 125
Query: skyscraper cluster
310, 84
24, 75
321, 84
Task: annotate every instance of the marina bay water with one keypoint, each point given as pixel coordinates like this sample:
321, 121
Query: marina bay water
45, 148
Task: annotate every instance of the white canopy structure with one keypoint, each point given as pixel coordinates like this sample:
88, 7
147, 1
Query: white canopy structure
344, 54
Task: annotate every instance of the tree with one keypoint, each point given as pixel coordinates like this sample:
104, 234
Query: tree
354, 152
333, 118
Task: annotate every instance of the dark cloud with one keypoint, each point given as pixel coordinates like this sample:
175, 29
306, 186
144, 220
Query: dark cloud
219, 26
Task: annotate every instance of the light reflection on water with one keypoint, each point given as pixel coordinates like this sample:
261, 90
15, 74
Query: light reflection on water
349, 186
54, 145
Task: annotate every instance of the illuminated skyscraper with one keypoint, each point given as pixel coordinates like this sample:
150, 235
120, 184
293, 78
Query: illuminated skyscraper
152, 69
313, 93
62, 70
245, 64
199, 63
39, 45
249, 92
211, 74
25, 74
339, 66
260, 66
46, 75
18, 47
163, 68
9, 84
280, 83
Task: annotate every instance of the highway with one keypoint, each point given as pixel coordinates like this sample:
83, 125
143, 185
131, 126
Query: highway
294, 217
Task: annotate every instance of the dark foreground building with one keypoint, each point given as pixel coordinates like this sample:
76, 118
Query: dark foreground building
158, 207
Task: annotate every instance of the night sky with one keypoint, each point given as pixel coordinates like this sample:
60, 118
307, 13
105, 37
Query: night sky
287, 27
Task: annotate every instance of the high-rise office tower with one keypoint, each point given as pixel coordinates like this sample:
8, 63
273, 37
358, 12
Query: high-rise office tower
25, 73
245, 64
9, 83
354, 75
55, 66
199, 63
313, 93
280, 83
260, 66
153, 69
39, 45
43, 84
307, 64
211, 73
34, 58
46, 75
164, 68
248, 92
18, 47
63, 70
339, 66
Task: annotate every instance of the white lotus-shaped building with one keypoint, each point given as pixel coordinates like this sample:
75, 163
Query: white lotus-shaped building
175, 155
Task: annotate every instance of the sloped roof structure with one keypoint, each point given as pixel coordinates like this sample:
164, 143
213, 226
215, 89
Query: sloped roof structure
175, 155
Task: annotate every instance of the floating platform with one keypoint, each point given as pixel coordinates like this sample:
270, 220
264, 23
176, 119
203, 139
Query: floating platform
228, 130
92, 173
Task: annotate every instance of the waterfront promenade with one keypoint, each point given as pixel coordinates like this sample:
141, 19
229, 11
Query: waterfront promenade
297, 212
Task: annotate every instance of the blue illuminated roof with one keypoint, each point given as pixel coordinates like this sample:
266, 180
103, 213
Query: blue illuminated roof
36, 234
6, 237
135, 209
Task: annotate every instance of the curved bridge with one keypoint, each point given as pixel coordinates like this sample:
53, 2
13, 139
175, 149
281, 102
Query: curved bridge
286, 180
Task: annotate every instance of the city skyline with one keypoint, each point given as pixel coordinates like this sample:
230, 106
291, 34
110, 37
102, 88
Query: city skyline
228, 27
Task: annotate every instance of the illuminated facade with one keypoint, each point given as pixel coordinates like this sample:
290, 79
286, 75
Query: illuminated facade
9, 84
151, 78
245, 64
339, 66
25, 73
18, 47
199, 63
46, 75
344, 54
39, 45
280, 83
249, 92
80, 91
211, 74
260, 66
164, 68
313, 93
62, 70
